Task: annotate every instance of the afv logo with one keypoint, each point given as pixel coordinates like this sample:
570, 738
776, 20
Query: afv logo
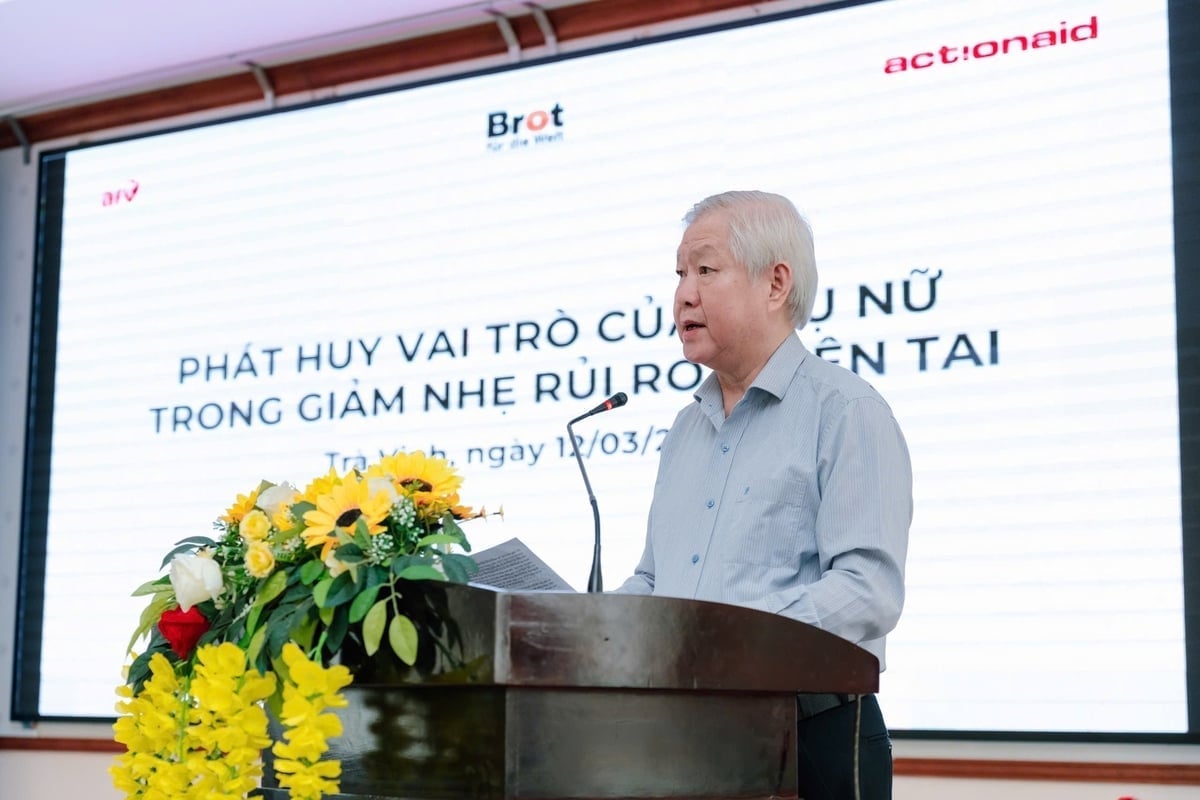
126, 193
533, 127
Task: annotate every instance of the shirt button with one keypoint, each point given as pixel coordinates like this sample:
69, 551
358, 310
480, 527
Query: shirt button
695, 558
709, 504
724, 448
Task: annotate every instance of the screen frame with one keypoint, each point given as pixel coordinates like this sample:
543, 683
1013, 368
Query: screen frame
1183, 33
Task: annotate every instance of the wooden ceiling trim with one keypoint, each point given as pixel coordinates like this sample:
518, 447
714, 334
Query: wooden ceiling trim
393, 59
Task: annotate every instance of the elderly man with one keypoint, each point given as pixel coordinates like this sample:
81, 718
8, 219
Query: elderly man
786, 485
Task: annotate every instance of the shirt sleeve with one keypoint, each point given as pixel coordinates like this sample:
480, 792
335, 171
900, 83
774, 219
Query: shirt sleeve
642, 579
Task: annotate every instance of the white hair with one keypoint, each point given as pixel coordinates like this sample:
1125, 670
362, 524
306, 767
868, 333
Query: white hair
764, 230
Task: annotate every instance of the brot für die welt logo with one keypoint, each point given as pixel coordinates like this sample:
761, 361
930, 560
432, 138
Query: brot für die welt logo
518, 131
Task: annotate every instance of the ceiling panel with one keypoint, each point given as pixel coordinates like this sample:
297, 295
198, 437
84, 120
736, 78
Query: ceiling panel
55, 52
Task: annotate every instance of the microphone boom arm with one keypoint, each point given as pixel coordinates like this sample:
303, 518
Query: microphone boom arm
595, 580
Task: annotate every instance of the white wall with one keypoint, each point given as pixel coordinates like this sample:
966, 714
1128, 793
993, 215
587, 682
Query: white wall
55, 776
18, 198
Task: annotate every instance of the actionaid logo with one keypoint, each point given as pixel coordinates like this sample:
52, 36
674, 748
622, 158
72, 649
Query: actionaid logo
516, 131
125, 193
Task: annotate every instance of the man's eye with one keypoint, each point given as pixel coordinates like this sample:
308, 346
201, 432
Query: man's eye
704, 270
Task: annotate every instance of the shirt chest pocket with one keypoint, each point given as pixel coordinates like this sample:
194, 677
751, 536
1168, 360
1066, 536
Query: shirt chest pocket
770, 522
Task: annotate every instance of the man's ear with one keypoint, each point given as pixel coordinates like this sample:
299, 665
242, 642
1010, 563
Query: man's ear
781, 284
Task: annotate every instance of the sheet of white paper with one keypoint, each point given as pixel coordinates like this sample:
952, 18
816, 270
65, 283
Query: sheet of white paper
513, 566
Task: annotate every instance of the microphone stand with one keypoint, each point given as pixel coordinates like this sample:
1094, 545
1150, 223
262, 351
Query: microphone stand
595, 580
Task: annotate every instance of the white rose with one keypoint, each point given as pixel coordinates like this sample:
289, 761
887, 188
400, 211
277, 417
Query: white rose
377, 485
273, 498
195, 578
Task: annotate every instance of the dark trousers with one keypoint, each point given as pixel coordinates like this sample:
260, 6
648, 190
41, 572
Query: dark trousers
825, 745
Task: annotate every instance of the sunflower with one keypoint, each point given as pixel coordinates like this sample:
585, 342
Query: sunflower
241, 507
430, 482
321, 485
340, 509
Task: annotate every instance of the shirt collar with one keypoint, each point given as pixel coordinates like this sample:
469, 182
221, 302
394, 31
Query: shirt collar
781, 367
774, 378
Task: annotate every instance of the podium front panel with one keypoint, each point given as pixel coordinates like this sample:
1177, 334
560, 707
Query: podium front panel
521, 743
587, 745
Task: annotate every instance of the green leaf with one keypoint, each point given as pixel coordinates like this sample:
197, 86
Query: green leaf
183, 548
139, 670
236, 632
325, 615
459, 568
450, 525
321, 591
284, 623
362, 604
375, 575
303, 633
275, 701
402, 636
310, 572
256, 645
362, 534
252, 619
208, 637
280, 668
350, 554
343, 590
419, 572
295, 593
337, 629
373, 625
157, 586
402, 563
272, 588
438, 538
150, 615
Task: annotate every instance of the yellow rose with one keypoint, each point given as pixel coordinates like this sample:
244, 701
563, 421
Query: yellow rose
335, 566
260, 561
255, 526
283, 519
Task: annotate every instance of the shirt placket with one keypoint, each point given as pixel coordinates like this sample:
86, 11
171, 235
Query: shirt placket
705, 576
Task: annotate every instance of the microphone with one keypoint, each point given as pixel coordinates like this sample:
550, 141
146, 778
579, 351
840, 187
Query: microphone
616, 401
595, 581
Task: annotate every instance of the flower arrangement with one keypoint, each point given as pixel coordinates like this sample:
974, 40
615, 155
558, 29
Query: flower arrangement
263, 614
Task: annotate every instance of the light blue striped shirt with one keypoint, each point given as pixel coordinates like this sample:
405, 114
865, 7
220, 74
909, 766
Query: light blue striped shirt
798, 503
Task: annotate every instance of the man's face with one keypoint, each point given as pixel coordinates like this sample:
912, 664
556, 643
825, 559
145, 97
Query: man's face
721, 316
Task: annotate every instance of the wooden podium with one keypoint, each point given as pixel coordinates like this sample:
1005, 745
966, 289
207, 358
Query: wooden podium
532, 696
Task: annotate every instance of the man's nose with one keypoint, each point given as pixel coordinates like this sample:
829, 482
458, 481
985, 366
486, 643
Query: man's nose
685, 291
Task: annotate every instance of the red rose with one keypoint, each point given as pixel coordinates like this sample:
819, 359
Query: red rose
182, 629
